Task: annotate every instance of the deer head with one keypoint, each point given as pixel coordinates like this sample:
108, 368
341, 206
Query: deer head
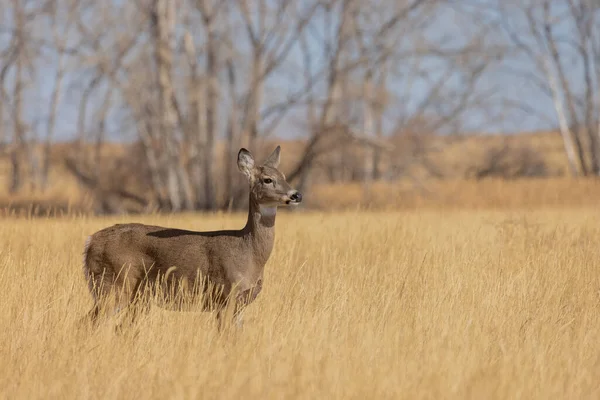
268, 186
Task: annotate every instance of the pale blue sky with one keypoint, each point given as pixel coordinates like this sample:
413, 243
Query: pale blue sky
501, 85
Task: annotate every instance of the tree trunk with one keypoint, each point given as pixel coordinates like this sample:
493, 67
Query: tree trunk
368, 128
563, 124
590, 127
212, 112
196, 124
567, 129
163, 24
379, 110
255, 98
233, 137
19, 143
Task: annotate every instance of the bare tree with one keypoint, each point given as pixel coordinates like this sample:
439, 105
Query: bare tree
17, 61
60, 35
372, 50
176, 79
272, 31
163, 25
209, 10
561, 39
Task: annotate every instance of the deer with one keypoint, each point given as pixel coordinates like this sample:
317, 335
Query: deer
223, 267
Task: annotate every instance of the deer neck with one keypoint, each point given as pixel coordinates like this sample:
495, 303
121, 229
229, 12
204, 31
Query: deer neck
260, 230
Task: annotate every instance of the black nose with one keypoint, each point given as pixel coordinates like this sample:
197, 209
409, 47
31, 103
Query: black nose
296, 197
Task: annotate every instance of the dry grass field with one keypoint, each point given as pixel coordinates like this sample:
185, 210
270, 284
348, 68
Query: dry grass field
406, 305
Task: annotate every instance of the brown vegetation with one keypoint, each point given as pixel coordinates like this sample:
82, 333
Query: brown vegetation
442, 179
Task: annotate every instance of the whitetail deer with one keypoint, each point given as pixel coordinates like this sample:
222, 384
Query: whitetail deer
125, 260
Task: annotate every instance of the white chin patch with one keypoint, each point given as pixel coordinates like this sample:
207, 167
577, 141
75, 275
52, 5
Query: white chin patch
268, 211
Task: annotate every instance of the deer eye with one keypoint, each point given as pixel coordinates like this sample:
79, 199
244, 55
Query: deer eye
267, 180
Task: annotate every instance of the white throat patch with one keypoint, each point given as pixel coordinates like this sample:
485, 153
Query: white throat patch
268, 211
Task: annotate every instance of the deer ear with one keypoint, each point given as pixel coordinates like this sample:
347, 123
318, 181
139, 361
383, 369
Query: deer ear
245, 162
273, 160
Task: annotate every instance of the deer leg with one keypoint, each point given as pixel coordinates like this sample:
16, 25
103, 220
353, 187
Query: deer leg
100, 288
134, 310
131, 314
222, 321
132, 306
225, 315
239, 302
238, 317
91, 317
243, 299
219, 318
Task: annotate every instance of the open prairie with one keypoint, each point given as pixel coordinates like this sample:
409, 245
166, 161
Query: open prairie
402, 304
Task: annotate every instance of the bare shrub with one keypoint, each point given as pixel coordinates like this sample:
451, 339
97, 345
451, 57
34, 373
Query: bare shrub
119, 184
510, 162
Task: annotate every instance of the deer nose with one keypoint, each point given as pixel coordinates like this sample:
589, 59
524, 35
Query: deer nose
296, 196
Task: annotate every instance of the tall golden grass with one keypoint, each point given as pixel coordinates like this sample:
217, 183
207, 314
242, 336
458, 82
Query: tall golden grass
427, 304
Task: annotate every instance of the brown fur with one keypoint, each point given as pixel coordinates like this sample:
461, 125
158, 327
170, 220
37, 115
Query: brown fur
127, 259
